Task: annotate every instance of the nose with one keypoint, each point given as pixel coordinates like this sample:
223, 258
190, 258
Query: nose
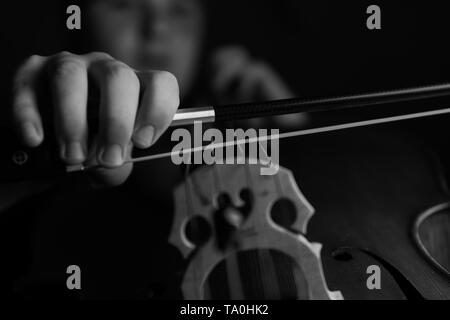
154, 23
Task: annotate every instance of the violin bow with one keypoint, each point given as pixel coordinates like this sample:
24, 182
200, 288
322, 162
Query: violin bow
244, 111
214, 114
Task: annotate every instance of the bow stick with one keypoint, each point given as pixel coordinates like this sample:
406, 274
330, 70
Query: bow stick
18, 163
245, 111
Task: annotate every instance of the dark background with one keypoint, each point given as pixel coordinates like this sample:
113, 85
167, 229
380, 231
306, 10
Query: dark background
320, 47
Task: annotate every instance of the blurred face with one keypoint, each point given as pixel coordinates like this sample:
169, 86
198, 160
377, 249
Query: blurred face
150, 34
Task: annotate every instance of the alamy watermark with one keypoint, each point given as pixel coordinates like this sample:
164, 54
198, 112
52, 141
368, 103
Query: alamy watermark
73, 21
236, 146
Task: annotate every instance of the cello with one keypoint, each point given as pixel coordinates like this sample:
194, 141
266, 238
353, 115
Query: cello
353, 202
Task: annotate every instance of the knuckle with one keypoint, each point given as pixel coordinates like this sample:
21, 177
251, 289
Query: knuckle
64, 53
33, 59
114, 70
23, 70
67, 66
171, 83
164, 98
98, 55
166, 77
61, 55
164, 81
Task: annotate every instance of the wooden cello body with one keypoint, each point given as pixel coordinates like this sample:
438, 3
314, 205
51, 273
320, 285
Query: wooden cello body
367, 194
367, 187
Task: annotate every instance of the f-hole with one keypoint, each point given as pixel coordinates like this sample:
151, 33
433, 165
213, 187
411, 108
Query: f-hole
284, 213
228, 217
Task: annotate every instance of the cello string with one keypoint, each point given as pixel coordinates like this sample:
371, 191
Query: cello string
252, 277
289, 278
233, 270
189, 215
270, 266
303, 132
232, 274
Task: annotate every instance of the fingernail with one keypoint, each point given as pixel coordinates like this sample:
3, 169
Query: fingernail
112, 155
30, 133
74, 152
144, 136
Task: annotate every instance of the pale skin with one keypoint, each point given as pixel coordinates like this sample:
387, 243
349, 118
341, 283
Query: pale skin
124, 122
140, 37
